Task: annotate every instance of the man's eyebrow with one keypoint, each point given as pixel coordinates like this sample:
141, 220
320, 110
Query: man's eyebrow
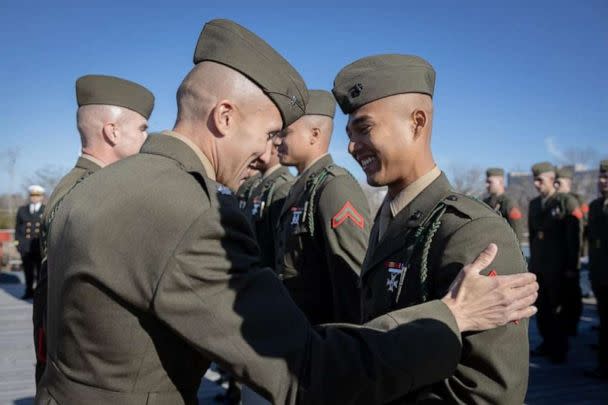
364, 119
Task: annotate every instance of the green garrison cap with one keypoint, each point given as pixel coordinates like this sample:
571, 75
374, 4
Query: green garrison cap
604, 166
542, 167
109, 90
375, 77
321, 102
228, 43
495, 171
566, 172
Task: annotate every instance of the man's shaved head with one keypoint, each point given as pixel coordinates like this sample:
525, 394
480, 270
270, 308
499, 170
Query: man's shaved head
405, 105
109, 132
325, 125
91, 119
209, 82
227, 116
304, 140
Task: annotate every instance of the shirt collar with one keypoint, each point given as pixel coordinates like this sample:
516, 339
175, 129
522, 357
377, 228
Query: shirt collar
93, 159
271, 170
204, 160
311, 164
405, 196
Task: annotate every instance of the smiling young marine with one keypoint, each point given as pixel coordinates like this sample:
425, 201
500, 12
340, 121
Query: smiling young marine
424, 230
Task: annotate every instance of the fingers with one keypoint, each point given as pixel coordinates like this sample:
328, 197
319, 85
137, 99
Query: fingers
519, 293
522, 313
523, 302
516, 280
484, 259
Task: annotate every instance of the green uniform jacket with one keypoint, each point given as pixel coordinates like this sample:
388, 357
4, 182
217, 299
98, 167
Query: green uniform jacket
264, 208
84, 168
554, 236
154, 273
322, 239
493, 368
506, 207
244, 191
598, 241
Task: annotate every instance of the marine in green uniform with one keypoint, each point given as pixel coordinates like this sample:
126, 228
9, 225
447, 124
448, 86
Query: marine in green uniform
553, 223
501, 202
266, 201
572, 303
563, 184
424, 229
154, 271
598, 265
112, 119
324, 225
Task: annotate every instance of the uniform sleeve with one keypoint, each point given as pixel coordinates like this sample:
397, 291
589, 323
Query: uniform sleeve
215, 297
345, 218
515, 219
573, 220
494, 364
531, 230
19, 228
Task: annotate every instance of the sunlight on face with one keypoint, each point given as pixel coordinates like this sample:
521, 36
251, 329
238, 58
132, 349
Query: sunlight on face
133, 130
255, 127
293, 143
380, 140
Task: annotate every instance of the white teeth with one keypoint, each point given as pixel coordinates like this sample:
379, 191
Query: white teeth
365, 162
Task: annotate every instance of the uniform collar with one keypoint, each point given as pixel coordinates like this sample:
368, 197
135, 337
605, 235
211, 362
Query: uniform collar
405, 196
209, 170
545, 200
410, 217
268, 172
317, 164
175, 146
88, 162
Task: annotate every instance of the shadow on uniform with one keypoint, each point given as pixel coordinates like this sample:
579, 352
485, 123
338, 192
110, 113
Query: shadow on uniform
335, 358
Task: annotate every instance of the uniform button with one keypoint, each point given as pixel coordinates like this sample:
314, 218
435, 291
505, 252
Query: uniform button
416, 215
452, 198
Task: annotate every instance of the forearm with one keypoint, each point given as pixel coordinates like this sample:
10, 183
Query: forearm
361, 365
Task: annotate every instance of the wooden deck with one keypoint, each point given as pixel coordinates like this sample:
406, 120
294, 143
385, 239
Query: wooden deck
549, 384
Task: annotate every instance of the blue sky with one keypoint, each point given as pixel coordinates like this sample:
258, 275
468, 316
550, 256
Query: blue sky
516, 83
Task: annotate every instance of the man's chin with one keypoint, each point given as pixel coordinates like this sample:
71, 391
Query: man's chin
285, 161
374, 180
